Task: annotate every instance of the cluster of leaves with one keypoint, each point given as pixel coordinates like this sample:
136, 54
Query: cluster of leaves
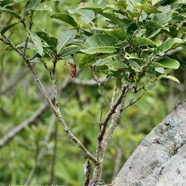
126, 39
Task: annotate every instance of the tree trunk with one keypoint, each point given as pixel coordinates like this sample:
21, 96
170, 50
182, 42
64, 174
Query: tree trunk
160, 159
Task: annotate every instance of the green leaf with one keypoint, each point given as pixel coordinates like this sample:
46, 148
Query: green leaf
120, 34
151, 86
142, 41
169, 77
163, 18
179, 2
160, 70
99, 44
100, 10
31, 4
167, 62
11, 12
66, 18
37, 41
51, 41
135, 66
43, 7
87, 60
6, 28
86, 15
65, 38
116, 65
167, 45
69, 50
105, 60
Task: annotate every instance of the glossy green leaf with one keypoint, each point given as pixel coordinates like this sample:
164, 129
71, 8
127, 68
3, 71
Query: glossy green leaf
86, 15
87, 60
104, 60
99, 44
66, 18
169, 77
31, 4
167, 63
51, 41
100, 10
6, 28
163, 18
69, 50
160, 70
167, 45
119, 34
142, 41
37, 41
65, 38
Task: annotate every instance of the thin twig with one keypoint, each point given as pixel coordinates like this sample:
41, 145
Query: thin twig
12, 133
52, 107
133, 101
100, 85
30, 27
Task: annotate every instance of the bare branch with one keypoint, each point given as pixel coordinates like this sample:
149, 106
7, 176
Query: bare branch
133, 101
124, 90
102, 143
52, 107
87, 173
11, 134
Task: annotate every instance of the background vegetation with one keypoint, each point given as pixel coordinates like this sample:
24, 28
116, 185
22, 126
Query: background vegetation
42, 153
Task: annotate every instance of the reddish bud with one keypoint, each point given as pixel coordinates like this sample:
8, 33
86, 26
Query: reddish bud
71, 69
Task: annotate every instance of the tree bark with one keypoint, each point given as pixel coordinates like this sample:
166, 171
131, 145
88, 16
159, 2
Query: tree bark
160, 159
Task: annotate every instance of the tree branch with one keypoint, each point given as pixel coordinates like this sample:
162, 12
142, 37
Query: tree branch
52, 107
11, 134
124, 90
